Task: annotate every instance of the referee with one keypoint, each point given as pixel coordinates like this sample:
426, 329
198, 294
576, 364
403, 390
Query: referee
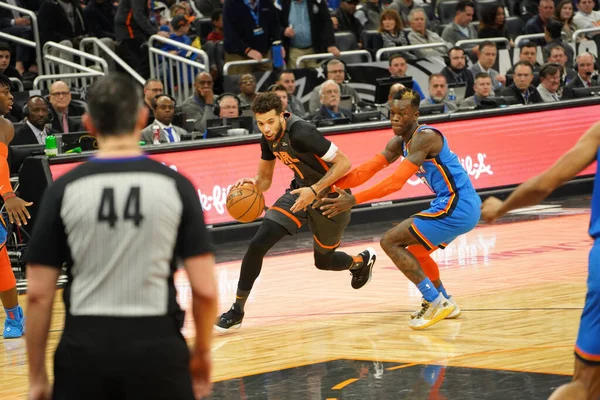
120, 222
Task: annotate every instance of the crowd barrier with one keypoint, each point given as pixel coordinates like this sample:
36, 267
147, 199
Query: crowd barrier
498, 148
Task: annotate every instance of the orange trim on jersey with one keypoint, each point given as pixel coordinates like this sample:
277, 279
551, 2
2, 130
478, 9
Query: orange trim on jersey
326, 247
287, 214
128, 24
325, 166
587, 356
450, 189
422, 237
5, 185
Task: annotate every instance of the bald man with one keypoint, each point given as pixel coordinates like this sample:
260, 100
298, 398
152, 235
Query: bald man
60, 100
199, 107
37, 126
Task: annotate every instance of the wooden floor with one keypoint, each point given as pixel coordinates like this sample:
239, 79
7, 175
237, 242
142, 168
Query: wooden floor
521, 287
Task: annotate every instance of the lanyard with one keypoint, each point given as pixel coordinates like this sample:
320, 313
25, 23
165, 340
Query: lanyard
253, 12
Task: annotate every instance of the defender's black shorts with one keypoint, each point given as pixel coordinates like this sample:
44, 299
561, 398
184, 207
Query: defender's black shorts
327, 232
122, 358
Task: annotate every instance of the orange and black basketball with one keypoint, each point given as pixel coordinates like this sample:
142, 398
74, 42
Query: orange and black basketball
245, 203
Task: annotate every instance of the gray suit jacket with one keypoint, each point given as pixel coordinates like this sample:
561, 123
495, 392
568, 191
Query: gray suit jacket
453, 34
198, 110
476, 69
148, 133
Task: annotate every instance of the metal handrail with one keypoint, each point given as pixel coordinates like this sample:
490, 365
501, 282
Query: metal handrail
34, 29
97, 42
42, 78
408, 48
19, 84
229, 64
582, 31
68, 63
179, 84
476, 41
530, 36
323, 56
83, 55
201, 53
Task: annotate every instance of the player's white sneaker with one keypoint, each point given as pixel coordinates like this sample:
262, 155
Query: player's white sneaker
432, 312
454, 314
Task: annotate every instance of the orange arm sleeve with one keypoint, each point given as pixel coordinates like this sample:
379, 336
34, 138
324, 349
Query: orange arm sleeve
362, 173
5, 186
391, 184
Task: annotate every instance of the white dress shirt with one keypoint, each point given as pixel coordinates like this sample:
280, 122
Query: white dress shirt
40, 135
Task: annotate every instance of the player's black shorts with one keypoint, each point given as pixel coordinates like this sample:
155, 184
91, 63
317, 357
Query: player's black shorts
327, 232
122, 358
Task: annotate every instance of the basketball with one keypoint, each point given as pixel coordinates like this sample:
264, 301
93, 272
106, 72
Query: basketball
245, 203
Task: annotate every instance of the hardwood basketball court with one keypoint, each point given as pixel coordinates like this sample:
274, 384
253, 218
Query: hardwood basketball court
308, 335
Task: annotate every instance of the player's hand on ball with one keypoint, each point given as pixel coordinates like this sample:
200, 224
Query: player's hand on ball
343, 202
490, 209
305, 199
245, 180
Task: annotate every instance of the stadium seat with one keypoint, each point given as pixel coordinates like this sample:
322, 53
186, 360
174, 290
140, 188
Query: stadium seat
203, 28
446, 11
372, 41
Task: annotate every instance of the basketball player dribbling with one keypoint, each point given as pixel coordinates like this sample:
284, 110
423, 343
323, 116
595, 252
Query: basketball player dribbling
453, 212
536, 189
317, 163
16, 209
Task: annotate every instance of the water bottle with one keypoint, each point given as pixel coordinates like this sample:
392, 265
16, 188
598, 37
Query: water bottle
51, 150
451, 95
276, 54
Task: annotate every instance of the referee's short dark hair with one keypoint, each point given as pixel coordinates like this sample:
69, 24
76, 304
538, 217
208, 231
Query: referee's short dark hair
265, 102
114, 102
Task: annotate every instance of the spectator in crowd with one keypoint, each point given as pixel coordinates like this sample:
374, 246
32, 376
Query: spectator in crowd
199, 107
281, 92
538, 23
493, 22
99, 17
549, 86
527, 52
395, 88
330, 96
398, 67
37, 126
216, 35
247, 89
344, 20
486, 60
403, 7
62, 108
152, 87
250, 28
564, 14
306, 29
456, 71
369, 14
556, 54
438, 91
553, 38
180, 27
586, 17
585, 70
482, 90
13, 23
521, 87
229, 105
461, 28
336, 71
5, 67
419, 34
162, 130
288, 81
392, 30
133, 28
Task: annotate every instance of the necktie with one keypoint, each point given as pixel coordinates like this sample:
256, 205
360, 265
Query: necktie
65, 123
589, 84
169, 131
43, 136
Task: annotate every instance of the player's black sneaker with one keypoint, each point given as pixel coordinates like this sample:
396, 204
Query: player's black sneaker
361, 272
232, 319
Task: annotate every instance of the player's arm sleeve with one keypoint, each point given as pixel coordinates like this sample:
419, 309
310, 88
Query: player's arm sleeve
48, 245
305, 138
389, 185
192, 238
265, 151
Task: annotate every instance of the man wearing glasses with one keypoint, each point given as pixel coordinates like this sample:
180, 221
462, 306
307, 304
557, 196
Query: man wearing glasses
60, 99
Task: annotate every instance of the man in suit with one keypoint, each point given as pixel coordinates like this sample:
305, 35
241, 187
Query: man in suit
195, 106
162, 130
330, 102
483, 90
521, 88
486, 60
456, 70
557, 54
301, 35
62, 109
36, 129
584, 64
438, 94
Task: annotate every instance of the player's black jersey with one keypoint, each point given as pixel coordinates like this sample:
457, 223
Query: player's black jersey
303, 149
